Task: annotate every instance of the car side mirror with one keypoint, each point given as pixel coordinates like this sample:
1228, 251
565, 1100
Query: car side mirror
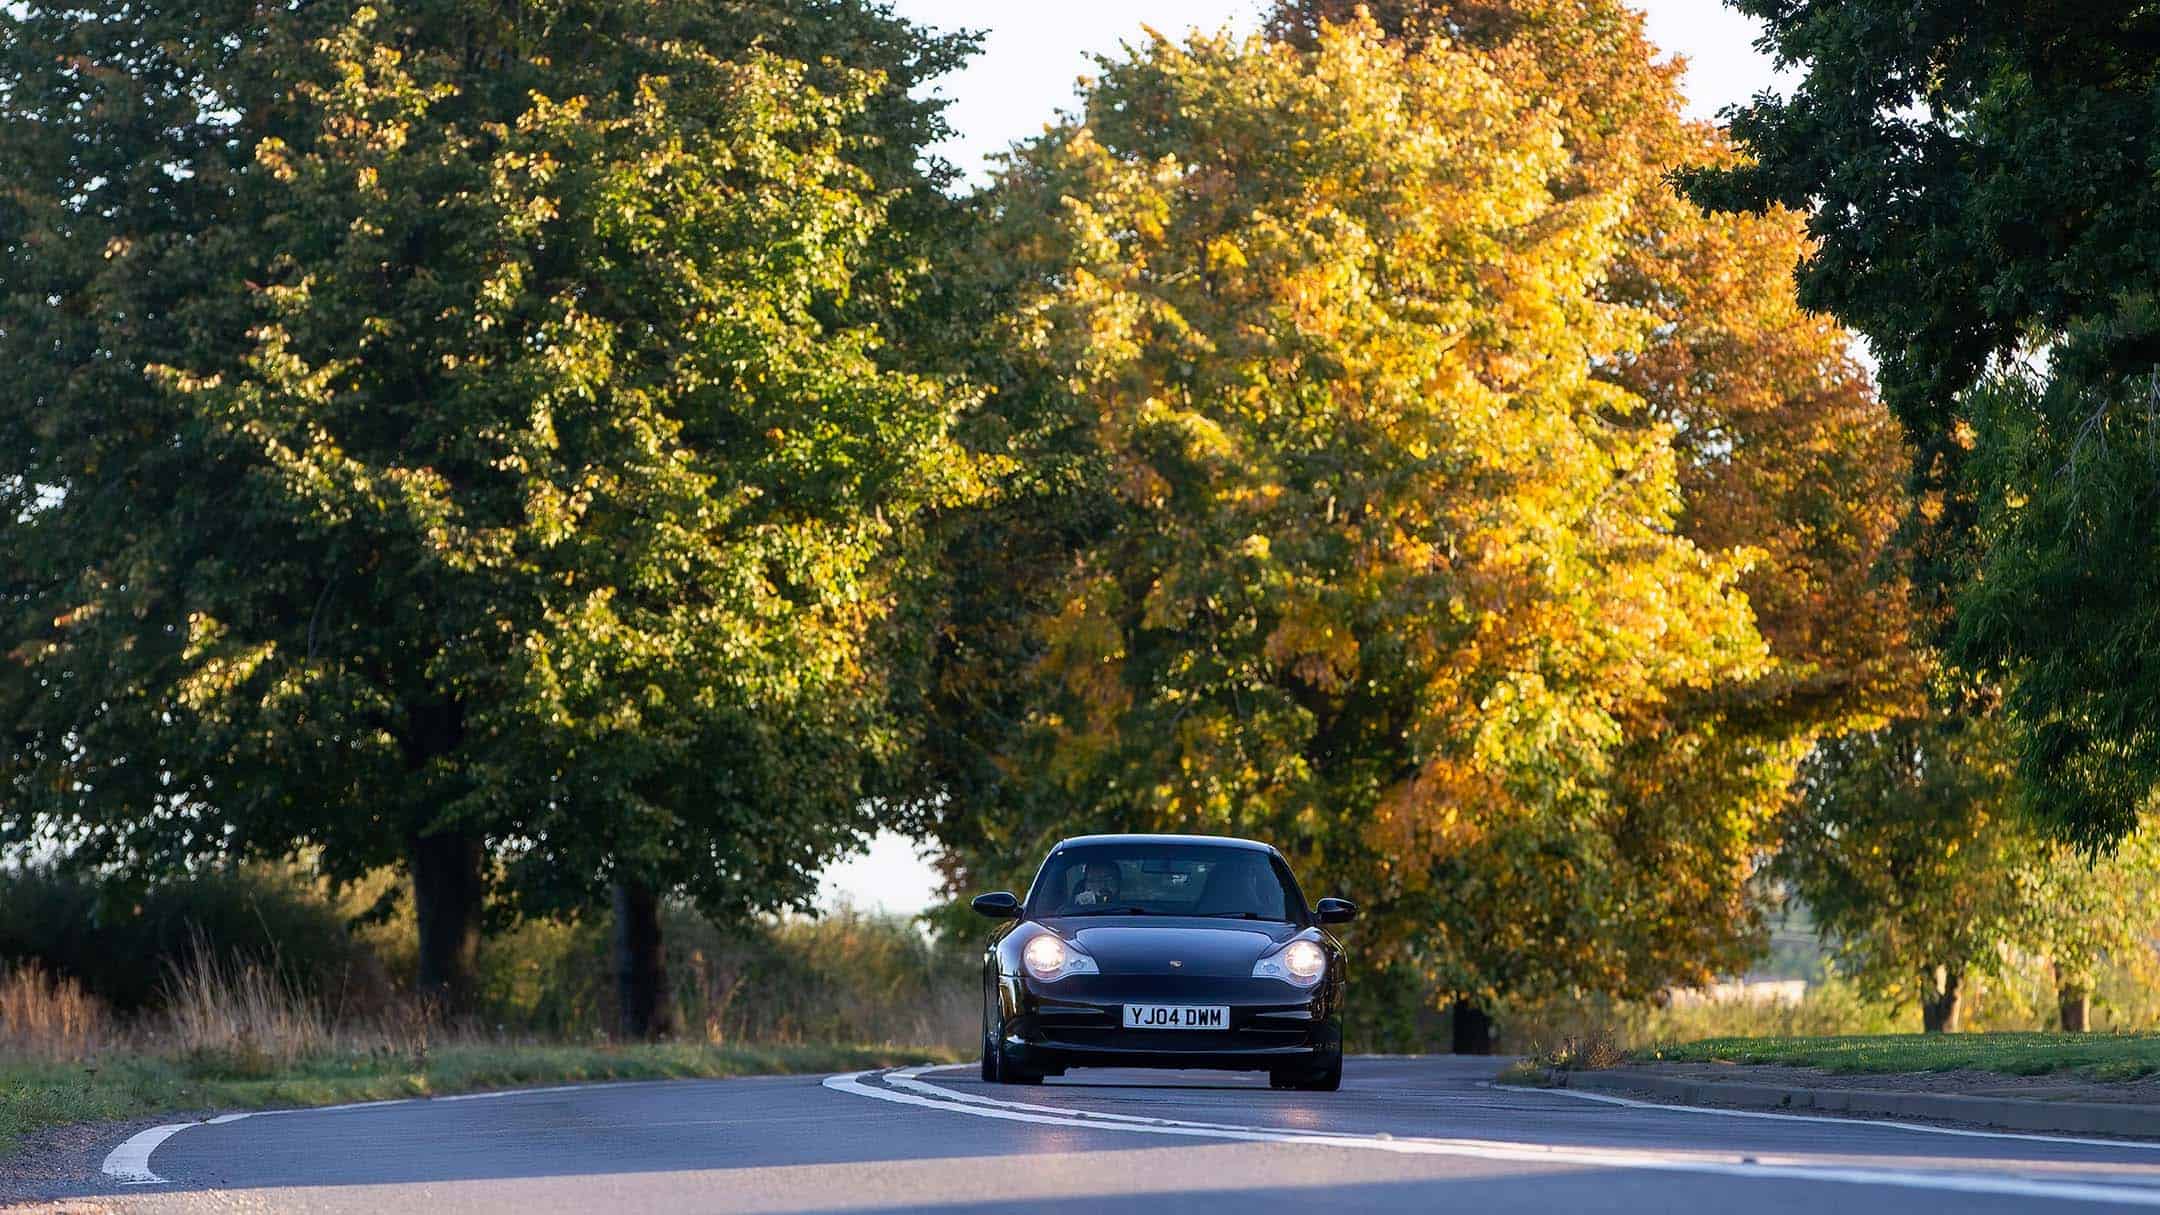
999, 905
1336, 911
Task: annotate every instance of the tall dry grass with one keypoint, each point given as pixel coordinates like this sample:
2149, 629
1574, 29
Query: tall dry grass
843, 977
49, 1017
231, 1017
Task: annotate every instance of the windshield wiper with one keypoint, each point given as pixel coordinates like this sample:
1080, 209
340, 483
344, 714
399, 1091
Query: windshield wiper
1235, 915
1109, 911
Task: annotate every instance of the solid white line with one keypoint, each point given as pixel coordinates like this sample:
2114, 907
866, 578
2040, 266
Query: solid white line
1843, 1120
129, 1163
1730, 1166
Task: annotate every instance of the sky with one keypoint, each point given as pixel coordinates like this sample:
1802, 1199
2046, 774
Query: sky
1025, 73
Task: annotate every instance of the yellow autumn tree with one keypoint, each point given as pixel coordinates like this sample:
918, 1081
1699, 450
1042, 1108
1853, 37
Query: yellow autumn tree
1784, 451
1329, 524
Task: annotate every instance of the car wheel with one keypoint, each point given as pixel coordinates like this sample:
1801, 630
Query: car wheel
990, 1057
996, 1068
1327, 1080
1007, 1071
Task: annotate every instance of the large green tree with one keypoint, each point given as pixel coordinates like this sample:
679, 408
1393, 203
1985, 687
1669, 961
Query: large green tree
1977, 176
461, 436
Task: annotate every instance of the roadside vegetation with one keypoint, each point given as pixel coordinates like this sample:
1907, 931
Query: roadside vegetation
494, 506
2090, 1056
250, 1019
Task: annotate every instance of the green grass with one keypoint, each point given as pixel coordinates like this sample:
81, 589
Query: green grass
37, 1095
2088, 1056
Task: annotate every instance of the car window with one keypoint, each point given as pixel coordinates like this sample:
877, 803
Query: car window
1164, 879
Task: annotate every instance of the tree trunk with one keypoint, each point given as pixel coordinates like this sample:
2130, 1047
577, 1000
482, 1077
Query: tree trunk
640, 966
1473, 1029
1939, 1007
447, 893
2075, 1001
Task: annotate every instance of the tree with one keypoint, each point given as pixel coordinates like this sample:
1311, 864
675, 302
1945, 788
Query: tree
2086, 913
1786, 460
1907, 849
1976, 180
1320, 524
466, 443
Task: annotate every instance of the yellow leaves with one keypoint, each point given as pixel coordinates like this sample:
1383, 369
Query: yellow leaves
1433, 815
1347, 347
1085, 650
1313, 647
1223, 253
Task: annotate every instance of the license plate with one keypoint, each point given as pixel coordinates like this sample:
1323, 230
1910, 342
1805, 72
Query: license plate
1177, 1016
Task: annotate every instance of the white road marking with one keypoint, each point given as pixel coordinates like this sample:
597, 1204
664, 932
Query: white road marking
1723, 1165
1845, 1120
129, 1164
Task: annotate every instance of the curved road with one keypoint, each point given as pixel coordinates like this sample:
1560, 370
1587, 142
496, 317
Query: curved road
1404, 1134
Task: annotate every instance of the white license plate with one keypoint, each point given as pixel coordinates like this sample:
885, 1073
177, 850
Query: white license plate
1177, 1016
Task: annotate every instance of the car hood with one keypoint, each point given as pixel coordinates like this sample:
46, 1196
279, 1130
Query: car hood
1148, 944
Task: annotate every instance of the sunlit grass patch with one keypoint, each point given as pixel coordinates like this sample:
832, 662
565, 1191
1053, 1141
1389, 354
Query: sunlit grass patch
2092, 1056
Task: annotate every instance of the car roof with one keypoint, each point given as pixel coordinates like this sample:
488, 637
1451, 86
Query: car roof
1215, 841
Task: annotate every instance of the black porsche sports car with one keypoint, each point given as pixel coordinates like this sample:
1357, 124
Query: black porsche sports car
1163, 951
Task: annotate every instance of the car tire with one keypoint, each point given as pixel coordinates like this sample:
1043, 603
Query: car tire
1008, 1072
991, 1058
1327, 1080
996, 1068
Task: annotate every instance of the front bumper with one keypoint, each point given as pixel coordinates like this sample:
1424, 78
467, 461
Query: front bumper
1078, 1021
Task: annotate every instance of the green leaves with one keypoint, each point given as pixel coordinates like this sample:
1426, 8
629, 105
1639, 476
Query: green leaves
517, 452
1978, 181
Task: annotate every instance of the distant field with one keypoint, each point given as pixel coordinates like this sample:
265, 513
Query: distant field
34, 1095
2098, 1056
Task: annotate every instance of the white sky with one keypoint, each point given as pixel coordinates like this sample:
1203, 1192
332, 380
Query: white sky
1025, 73
1036, 49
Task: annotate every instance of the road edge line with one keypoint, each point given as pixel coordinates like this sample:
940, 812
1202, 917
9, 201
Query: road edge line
2015, 1187
129, 1163
1858, 1117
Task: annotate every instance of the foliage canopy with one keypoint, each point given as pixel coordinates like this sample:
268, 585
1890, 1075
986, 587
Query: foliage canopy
445, 431
1351, 509
1977, 176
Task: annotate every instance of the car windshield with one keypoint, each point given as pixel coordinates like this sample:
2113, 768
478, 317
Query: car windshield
1165, 879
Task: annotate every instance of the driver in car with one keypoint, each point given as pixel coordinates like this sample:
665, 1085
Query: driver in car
1099, 884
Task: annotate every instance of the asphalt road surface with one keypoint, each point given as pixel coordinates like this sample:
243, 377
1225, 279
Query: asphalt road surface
1403, 1134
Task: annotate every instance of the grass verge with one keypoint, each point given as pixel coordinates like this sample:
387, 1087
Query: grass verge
34, 1095
2092, 1056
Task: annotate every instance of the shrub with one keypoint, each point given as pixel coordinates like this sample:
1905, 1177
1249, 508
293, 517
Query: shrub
43, 1016
119, 943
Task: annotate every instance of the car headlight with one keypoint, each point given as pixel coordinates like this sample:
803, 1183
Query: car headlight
1047, 958
1300, 963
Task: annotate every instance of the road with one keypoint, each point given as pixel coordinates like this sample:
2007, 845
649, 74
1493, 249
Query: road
1403, 1134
